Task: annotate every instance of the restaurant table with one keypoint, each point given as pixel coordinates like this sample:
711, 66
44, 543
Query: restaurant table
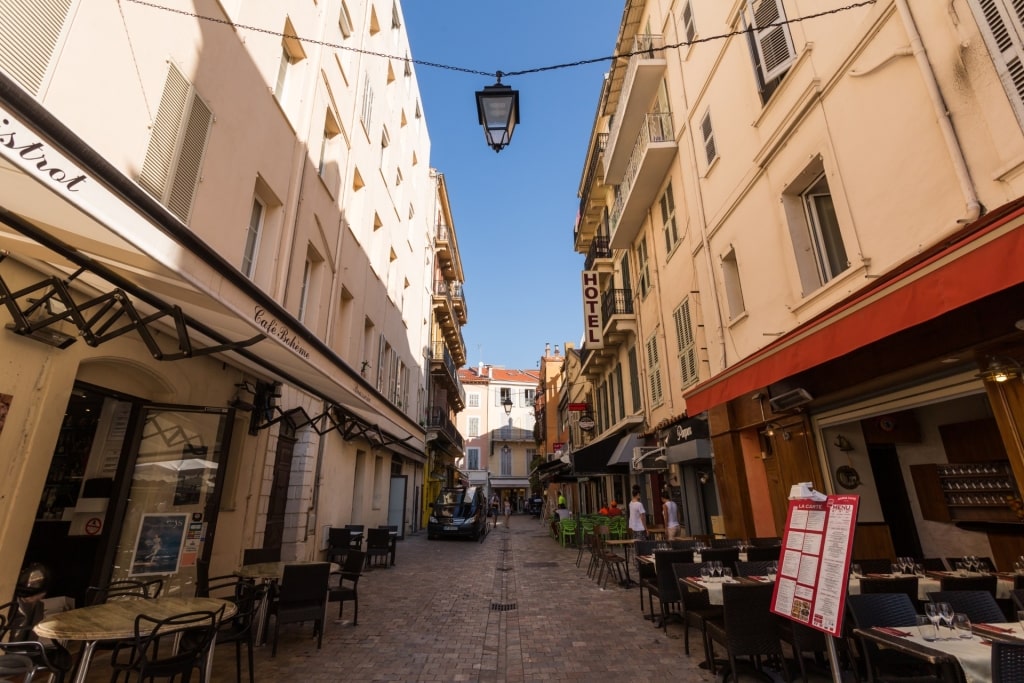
956, 659
713, 587
270, 572
115, 620
656, 533
627, 544
931, 583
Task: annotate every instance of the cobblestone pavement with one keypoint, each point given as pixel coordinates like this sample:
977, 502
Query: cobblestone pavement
513, 607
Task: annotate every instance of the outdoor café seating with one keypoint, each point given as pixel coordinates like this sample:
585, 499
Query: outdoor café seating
143, 657
979, 606
748, 628
697, 610
887, 610
302, 596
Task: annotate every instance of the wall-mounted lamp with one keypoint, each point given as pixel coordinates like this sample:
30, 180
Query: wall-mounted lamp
770, 428
1001, 369
245, 393
506, 403
842, 443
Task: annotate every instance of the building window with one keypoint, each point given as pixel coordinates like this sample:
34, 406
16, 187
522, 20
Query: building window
733, 290
708, 133
654, 371
1002, 25
668, 219
506, 461
771, 45
689, 27
366, 111
331, 130
643, 268
307, 273
473, 400
291, 54
824, 228
252, 237
504, 394
620, 399
473, 458
634, 380
473, 427
529, 396
686, 348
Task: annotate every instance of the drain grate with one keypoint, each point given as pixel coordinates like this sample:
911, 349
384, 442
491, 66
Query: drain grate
502, 606
503, 568
540, 564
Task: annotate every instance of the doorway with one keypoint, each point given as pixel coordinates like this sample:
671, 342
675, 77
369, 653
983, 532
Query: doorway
273, 535
892, 496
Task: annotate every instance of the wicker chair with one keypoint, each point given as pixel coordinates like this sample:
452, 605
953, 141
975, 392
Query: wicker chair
666, 587
803, 639
887, 609
979, 606
1017, 595
378, 547
748, 629
260, 555
970, 583
697, 610
767, 552
766, 542
727, 556
339, 542
753, 568
301, 597
875, 565
645, 571
344, 584
1007, 662
897, 584
934, 564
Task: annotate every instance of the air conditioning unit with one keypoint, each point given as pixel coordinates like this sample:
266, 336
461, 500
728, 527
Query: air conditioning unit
790, 400
642, 453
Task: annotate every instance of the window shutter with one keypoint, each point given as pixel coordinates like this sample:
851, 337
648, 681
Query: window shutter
686, 348
190, 160
654, 370
1005, 28
688, 24
774, 44
29, 30
710, 151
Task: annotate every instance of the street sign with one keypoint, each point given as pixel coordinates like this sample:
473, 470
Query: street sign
586, 423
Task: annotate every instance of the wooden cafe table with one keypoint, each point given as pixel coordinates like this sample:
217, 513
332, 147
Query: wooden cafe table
115, 620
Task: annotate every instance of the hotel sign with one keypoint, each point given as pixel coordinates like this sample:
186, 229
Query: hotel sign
592, 323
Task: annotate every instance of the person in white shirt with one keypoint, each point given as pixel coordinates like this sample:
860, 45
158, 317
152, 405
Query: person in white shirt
670, 511
637, 513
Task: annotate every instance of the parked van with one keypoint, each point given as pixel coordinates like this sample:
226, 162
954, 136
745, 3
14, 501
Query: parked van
459, 512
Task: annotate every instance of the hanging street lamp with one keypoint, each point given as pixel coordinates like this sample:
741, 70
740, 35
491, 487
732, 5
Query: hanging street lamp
497, 107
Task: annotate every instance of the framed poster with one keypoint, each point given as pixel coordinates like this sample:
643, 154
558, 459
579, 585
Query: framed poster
158, 544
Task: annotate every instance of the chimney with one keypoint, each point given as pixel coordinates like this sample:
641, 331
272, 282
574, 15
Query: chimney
557, 352
480, 369
490, 372
547, 349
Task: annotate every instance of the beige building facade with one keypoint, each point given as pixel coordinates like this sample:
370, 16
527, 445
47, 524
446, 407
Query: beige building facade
214, 283
825, 202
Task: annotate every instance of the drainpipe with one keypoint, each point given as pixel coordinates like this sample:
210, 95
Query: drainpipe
974, 207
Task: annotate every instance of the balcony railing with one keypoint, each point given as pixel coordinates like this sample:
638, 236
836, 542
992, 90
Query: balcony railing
441, 235
437, 421
640, 84
598, 249
657, 129
616, 302
439, 354
589, 178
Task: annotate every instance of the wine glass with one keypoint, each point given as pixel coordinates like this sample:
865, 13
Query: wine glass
931, 610
727, 574
705, 572
962, 625
856, 570
972, 560
716, 565
946, 612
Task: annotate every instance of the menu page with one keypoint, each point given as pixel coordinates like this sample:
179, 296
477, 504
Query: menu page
811, 582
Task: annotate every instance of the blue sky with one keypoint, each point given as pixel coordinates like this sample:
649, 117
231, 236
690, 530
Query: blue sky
514, 210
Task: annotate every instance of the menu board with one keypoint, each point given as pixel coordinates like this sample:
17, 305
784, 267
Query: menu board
811, 582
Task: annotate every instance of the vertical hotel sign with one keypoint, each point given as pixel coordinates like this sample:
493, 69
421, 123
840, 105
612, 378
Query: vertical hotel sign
811, 583
592, 323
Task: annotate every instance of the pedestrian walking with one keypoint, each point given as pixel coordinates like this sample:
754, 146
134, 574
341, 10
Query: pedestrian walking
670, 511
508, 512
637, 514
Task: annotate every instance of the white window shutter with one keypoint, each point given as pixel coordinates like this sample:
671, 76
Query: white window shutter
1003, 29
29, 30
775, 49
190, 159
163, 136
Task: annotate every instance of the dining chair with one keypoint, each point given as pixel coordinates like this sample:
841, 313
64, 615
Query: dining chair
753, 568
763, 553
887, 609
748, 628
727, 556
897, 584
666, 587
586, 527
874, 565
124, 589
302, 596
979, 606
141, 654
723, 542
606, 560
339, 542
567, 530
934, 564
358, 530
697, 610
682, 543
989, 583
803, 639
204, 580
18, 643
1017, 596
1007, 662
343, 585
261, 555
766, 541
238, 629
644, 571
378, 547
393, 538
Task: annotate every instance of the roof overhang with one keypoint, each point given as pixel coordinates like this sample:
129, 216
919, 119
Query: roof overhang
64, 209
979, 261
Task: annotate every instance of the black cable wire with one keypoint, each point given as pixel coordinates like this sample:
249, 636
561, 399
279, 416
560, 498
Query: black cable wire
501, 74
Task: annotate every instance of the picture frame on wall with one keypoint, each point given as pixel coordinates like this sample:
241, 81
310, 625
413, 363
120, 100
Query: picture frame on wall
158, 544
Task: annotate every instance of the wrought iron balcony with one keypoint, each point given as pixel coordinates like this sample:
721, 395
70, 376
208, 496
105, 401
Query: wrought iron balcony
599, 249
437, 421
592, 195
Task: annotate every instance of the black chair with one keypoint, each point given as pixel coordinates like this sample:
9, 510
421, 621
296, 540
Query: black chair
748, 628
987, 583
979, 606
378, 547
1017, 596
343, 585
644, 570
727, 556
887, 609
19, 643
339, 542
934, 564
666, 587
393, 539
875, 565
604, 559
897, 584
682, 543
240, 629
260, 555
124, 589
802, 639
141, 654
302, 596
766, 541
204, 580
767, 552
753, 568
357, 535
697, 610
724, 543
1007, 662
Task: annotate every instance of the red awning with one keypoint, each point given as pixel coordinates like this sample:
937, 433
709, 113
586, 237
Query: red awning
987, 258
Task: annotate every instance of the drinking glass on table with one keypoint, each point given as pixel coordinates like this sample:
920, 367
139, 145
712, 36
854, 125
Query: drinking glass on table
919, 570
927, 628
705, 572
856, 571
772, 569
931, 611
962, 625
716, 565
727, 574
946, 612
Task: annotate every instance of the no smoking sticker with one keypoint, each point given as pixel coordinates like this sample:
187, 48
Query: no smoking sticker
93, 526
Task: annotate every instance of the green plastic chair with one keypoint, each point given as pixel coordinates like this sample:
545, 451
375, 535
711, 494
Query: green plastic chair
567, 528
617, 527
